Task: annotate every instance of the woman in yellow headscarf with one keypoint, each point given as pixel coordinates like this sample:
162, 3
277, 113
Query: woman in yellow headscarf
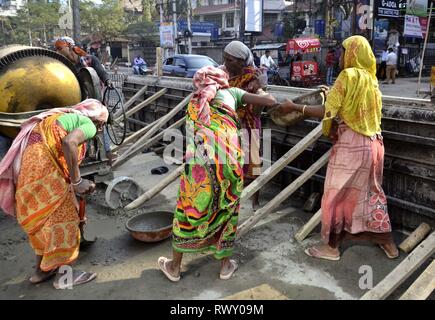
354, 206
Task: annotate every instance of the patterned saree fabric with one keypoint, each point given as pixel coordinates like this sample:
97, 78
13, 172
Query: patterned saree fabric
354, 200
11, 162
45, 203
355, 97
207, 208
251, 121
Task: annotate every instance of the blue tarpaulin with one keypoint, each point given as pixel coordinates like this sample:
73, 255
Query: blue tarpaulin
319, 27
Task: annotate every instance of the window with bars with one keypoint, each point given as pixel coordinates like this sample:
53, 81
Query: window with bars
229, 20
269, 18
214, 18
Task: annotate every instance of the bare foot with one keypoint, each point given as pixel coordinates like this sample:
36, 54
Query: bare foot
41, 276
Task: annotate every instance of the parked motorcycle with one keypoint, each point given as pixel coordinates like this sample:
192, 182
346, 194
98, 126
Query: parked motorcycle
275, 78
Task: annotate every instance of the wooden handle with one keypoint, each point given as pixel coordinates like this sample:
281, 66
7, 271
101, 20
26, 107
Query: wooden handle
82, 208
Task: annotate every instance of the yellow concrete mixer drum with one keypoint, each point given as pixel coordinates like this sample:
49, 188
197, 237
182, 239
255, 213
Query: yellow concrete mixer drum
33, 79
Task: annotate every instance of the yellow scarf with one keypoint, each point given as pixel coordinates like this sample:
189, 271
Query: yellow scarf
355, 97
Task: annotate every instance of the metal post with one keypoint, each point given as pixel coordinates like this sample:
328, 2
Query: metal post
189, 27
242, 21
327, 28
75, 4
128, 54
354, 17
174, 15
424, 48
371, 22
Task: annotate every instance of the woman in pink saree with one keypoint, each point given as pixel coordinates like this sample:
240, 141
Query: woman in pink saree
354, 205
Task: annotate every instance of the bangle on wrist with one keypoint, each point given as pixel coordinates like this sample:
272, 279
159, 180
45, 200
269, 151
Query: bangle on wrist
303, 109
77, 183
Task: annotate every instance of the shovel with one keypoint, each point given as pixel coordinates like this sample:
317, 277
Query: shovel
82, 215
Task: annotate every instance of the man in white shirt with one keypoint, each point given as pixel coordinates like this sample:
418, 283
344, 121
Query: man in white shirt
382, 74
266, 60
391, 66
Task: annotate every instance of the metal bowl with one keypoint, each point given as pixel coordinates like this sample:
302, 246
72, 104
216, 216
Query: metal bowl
315, 97
288, 119
151, 226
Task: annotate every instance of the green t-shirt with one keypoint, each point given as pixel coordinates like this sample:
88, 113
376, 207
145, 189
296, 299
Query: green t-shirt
232, 97
72, 121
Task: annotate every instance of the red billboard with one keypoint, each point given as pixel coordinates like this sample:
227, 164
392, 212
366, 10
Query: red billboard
303, 45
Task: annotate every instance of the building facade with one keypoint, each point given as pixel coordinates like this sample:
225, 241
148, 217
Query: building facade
9, 7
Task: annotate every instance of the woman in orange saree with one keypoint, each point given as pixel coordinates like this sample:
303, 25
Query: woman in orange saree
41, 168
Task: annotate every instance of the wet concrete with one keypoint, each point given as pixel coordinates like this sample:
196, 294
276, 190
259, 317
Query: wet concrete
127, 269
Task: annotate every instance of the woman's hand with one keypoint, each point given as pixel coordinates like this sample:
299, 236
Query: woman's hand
253, 86
325, 90
287, 106
85, 187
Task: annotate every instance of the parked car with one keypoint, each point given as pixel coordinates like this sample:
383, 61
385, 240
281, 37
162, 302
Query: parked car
185, 65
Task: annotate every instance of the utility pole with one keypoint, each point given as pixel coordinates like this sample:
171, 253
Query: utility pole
242, 21
189, 27
160, 2
174, 15
164, 54
75, 4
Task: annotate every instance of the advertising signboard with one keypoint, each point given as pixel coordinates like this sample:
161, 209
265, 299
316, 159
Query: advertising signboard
387, 8
416, 8
253, 15
412, 27
167, 35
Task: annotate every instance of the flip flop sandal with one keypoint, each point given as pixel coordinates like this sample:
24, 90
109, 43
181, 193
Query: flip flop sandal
162, 266
160, 170
318, 254
47, 277
229, 275
83, 277
388, 254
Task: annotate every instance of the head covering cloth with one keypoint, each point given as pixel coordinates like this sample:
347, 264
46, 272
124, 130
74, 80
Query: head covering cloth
355, 96
207, 81
69, 42
239, 50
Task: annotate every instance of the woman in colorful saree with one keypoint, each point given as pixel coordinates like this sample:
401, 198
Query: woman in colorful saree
354, 205
39, 180
207, 208
239, 64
